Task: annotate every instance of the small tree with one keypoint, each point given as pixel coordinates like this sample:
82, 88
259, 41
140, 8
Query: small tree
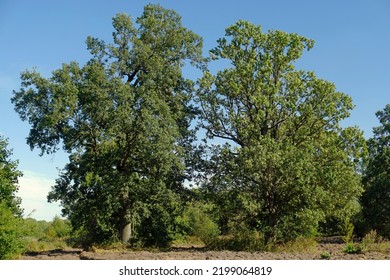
376, 180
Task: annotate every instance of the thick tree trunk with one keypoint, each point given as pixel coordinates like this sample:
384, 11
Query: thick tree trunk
125, 233
126, 226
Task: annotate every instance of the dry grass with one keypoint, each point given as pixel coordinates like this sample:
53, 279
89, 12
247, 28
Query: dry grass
300, 245
373, 242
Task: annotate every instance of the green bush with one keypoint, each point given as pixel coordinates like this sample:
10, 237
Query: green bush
10, 243
352, 248
196, 220
40, 236
58, 228
325, 256
247, 240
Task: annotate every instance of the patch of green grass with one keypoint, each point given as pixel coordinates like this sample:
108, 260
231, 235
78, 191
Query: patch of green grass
352, 248
33, 244
325, 256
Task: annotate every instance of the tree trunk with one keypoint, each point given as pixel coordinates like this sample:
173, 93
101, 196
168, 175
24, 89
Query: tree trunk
125, 233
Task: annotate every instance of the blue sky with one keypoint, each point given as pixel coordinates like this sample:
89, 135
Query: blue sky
352, 50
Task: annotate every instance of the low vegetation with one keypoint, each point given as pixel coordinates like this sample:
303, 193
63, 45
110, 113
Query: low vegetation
18, 236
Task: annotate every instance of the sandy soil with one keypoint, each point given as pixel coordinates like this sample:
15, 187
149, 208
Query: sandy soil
334, 251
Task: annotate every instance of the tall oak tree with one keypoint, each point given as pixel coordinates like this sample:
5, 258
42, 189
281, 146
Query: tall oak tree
124, 119
287, 164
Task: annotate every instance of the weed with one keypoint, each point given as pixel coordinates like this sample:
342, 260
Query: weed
351, 248
325, 256
374, 242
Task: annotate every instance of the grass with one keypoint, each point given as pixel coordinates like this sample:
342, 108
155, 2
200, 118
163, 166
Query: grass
325, 256
252, 241
300, 245
373, 242
188, 241
33, 244
353, 248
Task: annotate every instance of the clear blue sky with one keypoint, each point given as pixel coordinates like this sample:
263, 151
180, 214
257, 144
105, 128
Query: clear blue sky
352, 50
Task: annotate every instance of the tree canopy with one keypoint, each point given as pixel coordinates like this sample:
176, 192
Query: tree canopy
124, 118
287, 162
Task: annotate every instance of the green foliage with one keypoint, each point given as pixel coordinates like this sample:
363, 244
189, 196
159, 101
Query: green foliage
348, 237
10, 242
376, 180
325, 256
33, 228
347, 230
124, 118
352, 248
58, 228
9, 179
10, 212
240, 240
287, 165
286, 171
38, 236
245, 239
157, 228
197, 221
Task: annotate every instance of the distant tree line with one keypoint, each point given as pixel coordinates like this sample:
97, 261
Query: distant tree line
274, 163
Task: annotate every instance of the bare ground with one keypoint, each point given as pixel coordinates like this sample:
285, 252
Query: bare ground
326, 249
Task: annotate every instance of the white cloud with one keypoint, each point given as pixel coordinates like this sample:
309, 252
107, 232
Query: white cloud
33, 191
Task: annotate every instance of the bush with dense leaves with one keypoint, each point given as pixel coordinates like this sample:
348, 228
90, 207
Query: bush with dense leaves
10, 244
196, 220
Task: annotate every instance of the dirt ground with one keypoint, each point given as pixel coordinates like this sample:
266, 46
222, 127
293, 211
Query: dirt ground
332, 250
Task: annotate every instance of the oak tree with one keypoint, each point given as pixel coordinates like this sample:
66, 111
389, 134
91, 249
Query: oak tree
124, 119
284, 164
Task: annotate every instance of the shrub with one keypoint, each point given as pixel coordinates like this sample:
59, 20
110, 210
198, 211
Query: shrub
351, 248
347, 229
196, 221
241, 239
247, 240
325, 256
10, 243
372, 241
58, 228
